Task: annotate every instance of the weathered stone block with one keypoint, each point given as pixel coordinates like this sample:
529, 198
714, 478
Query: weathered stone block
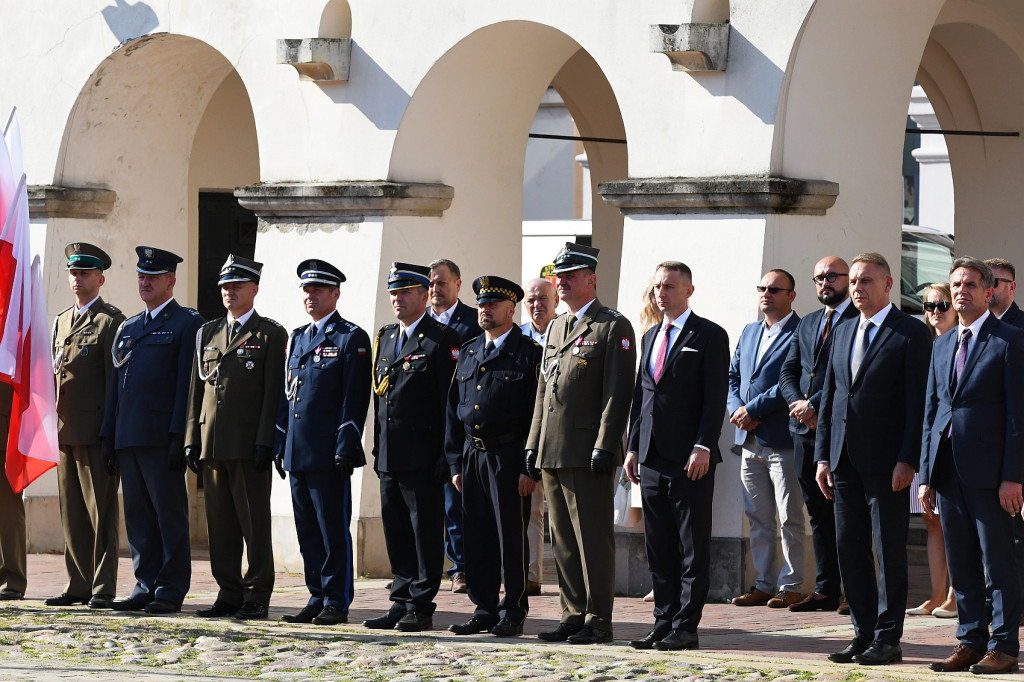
692, 47
317, 59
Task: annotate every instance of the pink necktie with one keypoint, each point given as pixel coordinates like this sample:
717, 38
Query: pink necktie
659, 363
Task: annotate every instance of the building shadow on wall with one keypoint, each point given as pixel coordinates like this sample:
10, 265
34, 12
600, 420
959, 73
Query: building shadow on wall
753, 79
371, 90
128, 21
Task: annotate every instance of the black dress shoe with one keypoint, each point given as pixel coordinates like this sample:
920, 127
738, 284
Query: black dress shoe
854, 648
251, 611
590, 635
8, 594
162, 607
474, 625
677, 640
386, 622
306, 615
506, 628
136, 603
331, 615
65, 599
415, 622
880, 653
220, 609
655, 635
101, 601
561, 633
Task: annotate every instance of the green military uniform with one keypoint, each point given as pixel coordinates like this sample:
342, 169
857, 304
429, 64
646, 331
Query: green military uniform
12, 514
88, 494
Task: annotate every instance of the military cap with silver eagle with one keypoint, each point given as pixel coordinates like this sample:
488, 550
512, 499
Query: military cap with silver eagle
82, 256
154, 261
407, 275
239, 269
575, 257
316, 272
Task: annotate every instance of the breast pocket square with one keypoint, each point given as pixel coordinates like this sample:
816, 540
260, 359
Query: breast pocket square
687, 349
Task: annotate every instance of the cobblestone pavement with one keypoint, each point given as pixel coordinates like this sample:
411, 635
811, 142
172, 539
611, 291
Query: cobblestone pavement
41, 644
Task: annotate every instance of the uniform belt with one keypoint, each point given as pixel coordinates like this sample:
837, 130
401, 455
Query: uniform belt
492, 442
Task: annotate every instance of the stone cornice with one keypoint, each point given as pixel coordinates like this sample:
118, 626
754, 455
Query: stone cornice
350, 200
726, 194
50, 201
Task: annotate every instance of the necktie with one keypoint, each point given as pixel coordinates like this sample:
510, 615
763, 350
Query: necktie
961, 356
149, 318
861, 349
489, 349
569, 324
234, 330
401, 342
659, 362
829, 314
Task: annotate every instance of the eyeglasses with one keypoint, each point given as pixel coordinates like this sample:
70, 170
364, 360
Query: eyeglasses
830, 276
941, 306
771, 290
1003, 279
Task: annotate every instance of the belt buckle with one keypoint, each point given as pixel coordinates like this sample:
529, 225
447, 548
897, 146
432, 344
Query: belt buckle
478, 443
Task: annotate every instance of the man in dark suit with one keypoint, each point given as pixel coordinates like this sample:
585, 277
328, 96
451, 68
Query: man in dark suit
413, 365
971, 461
446, 308
320, 440
801, 379
144, 433
490, 408
233, 400
867, 448
83, 335
767, 471
583, 399
674, 425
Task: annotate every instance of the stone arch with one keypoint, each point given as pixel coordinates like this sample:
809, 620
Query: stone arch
336, 20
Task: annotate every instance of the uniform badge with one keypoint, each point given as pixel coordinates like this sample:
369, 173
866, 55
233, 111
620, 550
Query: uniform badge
330, 328
455, 353
85, 351
249, 364
576, 350
625, 343
406, 365
581, 363
316, 358
360, 351
148, 251
240, 351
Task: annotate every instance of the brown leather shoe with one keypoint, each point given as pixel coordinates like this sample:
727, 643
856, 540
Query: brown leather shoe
753, 597
844, 608
459, 583
962, 658
532, 588
995, 662
784, 599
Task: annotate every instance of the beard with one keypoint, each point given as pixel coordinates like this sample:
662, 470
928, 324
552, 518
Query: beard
833, 297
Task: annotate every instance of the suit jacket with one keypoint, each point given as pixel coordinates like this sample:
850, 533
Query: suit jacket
1013, 316
148, 400
684, 408
584, 395
464, 322
235, 407
408, 434
986, 408
803, 374
755, 385
82, 366
323, 411
878, 415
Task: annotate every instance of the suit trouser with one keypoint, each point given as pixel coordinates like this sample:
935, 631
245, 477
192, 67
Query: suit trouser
13, 534
979, 541
535, 534
822, 515
412, 509
867, 507
586, 562
677, 530
454, 544
322, 502
89, 515
156, 522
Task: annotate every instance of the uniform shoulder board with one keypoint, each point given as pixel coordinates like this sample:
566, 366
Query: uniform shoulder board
136, 316
389, 326
112, 309
274, 323
65, 310
210, 323
349, 326
533, 341
611, 311
191, 311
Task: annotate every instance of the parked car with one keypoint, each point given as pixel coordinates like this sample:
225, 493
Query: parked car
925, 258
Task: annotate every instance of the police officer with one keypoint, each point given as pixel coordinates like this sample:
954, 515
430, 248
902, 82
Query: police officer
83, 335
490, 408
144, 434
320, 440
413, 365
236, 383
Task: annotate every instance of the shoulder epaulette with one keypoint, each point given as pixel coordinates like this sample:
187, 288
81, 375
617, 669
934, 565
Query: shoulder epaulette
272, 322
135, 316
211, 322
112, 309
611, 311
191, 311
65, 310
394, 325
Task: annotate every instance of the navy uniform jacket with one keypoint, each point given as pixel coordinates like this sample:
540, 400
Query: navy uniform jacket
464, 322
408, 434
492, 398
327, 394
148, 400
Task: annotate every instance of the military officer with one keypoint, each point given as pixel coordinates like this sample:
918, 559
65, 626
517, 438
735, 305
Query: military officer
237, 375
144, 434
583, 403
83, 335
413, 365
490, 408
320, 440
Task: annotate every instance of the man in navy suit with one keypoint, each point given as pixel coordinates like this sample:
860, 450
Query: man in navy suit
446, 308
971, 461
674, 426
143, 433
867, 448
801, 379
761, 415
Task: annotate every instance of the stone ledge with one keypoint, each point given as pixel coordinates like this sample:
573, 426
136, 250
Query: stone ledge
727, 194
50, 201
317, 59
692, 47
351, 201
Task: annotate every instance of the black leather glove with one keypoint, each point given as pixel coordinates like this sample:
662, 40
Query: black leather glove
279, 464
602, 463
343, 465
531, 465
442, 474
192, 454
262, 456
109, 456
176, 454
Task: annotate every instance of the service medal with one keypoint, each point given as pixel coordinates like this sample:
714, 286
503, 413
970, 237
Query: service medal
406, 366
576, 350
249, 364
316, 358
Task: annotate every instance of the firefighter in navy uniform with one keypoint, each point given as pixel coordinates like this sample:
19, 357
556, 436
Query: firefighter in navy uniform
490, 410
413, 365
320, 440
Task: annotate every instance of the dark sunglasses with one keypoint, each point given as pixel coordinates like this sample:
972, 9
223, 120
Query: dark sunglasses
771, 290
941, 306
831, 277
1004, 280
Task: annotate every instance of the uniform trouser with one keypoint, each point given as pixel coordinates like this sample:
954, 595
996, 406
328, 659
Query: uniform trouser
822, 517
156, 522
322, 502
89, 515
13, 534
454, 544
412, 509
585, 562
237, 509
535, 534
496, 518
